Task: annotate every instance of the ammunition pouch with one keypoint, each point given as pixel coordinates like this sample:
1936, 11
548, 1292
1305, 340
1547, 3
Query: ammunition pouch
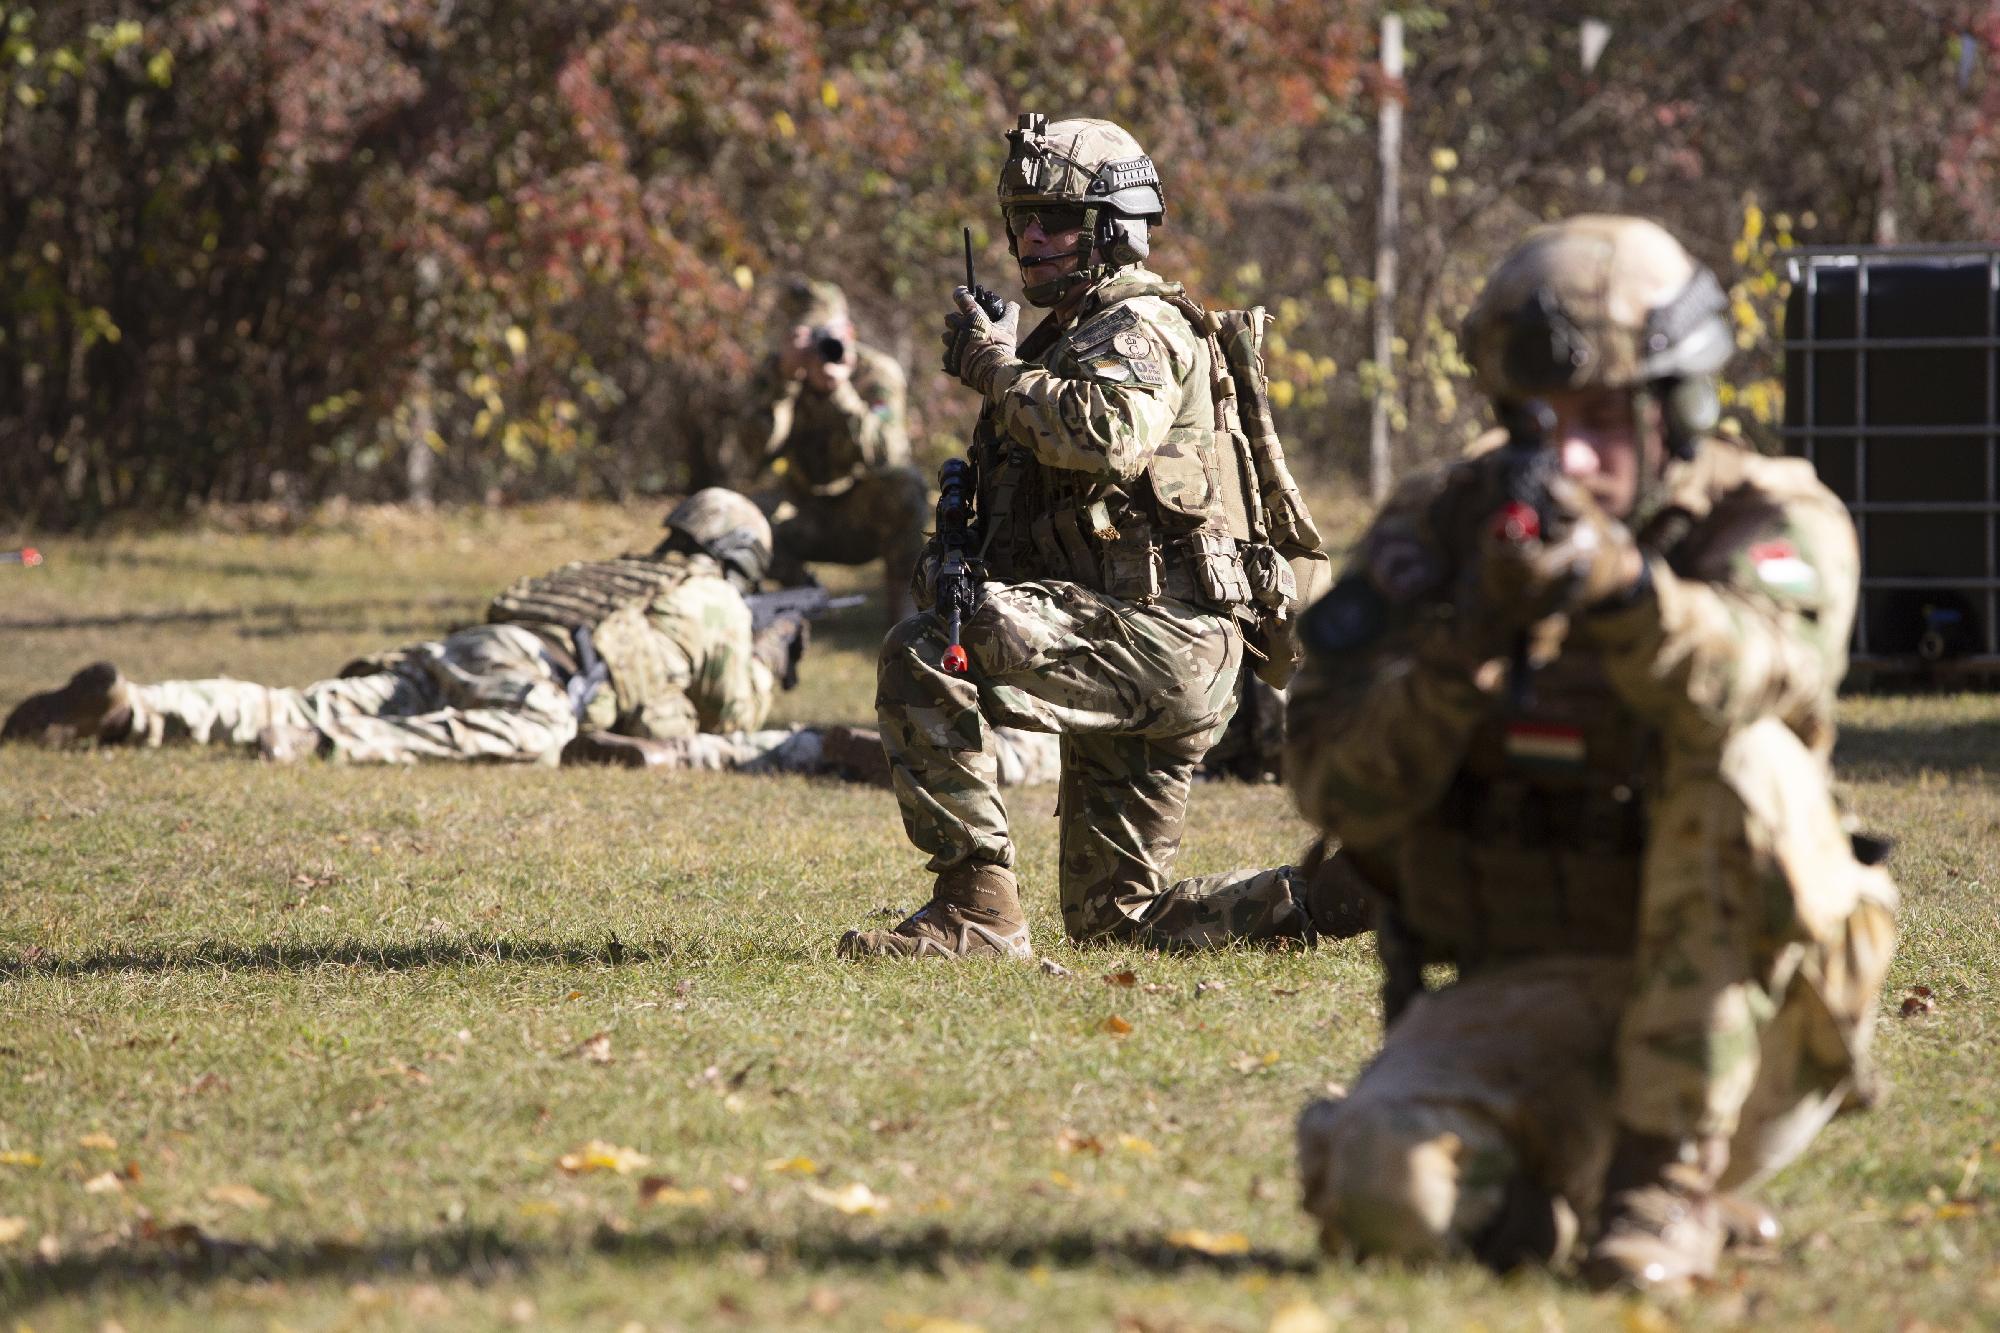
1217, 565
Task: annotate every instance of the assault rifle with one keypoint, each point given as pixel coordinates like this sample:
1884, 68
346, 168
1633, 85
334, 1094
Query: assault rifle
809, 601
957, 588
1527, 466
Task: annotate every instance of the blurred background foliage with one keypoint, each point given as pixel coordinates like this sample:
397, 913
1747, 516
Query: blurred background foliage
287, 249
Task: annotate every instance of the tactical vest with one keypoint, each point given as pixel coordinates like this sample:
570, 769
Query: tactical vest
1197, 526
610, 599
1536, 847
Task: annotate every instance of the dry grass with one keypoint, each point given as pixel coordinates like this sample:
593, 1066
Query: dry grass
331, 1018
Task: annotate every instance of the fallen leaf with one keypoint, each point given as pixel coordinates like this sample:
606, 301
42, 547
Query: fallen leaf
1155, 988
206, 1083
1300, 1317
19, 1157
540, 1208
1247, 1064
1209, 1242
1284, 990
793, 1166
856, 1200
824, 1301
1920, 1000
662, 1192
1116, 1026
1126, 978
108, 1183
596, 1048
1051, 968
238, 1196
1202, 988
928, 1323
597, 1155
100, 1142
1135, 1145
12, 1229
1071, 1141
1644, 1319
736, 1184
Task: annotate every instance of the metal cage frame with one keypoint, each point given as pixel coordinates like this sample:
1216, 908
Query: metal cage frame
1803, 266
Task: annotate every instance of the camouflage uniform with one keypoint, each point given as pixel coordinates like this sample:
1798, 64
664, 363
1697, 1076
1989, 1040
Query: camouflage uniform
497, 691
1114, 593
1021, 758
1661, 932
842, 460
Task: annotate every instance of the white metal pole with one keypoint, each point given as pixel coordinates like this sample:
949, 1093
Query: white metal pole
1390, 116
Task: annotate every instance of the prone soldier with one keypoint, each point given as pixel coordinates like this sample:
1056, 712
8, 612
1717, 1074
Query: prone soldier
1124, 546
1573, 716
826, 415
652, 644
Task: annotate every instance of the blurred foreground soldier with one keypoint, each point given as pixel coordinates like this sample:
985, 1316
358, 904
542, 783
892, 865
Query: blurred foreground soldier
826, 416
1572, 703
1122, 553
653, 644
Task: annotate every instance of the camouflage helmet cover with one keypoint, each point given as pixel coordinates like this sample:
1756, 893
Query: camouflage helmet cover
808, 301
1597, 301
727, 526
1083, 163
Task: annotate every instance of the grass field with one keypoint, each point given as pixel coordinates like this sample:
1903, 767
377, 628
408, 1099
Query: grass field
308, 1047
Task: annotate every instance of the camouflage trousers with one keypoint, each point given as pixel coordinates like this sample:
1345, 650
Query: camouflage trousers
482, 693
1744, 1015
1137, 694
1021, 758
882, 516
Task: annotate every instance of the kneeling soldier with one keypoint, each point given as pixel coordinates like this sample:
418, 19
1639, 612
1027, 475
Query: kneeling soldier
1572, 707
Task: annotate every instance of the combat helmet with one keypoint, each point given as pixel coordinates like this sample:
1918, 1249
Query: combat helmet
1091, 165
727, 526
1602, 301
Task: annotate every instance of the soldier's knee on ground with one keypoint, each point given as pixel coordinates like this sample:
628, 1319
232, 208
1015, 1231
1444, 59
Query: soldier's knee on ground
1398, 1180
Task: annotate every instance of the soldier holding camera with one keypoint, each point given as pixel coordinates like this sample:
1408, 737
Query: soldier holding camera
826, 420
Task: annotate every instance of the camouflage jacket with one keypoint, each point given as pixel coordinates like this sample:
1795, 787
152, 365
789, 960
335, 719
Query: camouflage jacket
1100, 445
1426, 764
679, 654
819, 444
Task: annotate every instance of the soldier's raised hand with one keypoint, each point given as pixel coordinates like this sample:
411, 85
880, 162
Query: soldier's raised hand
975, 347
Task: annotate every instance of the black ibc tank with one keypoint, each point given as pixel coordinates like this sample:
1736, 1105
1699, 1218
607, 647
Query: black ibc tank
1890, 389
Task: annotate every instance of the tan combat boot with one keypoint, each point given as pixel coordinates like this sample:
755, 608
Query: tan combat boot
1660, 1228
975, 911
94, 705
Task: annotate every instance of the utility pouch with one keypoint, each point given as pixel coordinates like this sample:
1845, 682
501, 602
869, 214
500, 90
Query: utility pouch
1132, 569
1270, 577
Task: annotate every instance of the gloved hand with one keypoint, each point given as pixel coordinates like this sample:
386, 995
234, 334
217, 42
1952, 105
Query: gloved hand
780, 645
975, 347
1583, 559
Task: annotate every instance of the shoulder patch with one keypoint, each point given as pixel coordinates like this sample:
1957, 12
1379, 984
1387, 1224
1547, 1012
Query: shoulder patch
1102, 331
1777, 565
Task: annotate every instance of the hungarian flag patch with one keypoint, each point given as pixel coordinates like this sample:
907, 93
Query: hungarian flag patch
1778, 567
1545, 745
